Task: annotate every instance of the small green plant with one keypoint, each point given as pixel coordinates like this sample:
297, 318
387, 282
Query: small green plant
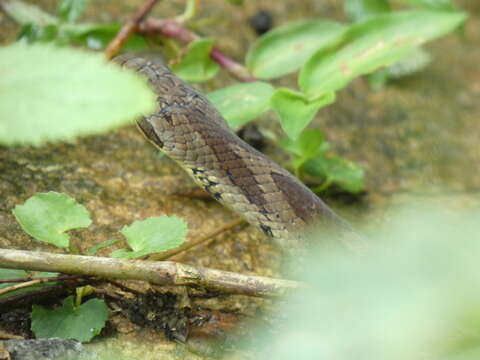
327, 55
311, 157
46, 217
70, 321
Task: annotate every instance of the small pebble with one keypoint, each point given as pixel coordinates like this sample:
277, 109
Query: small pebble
261, 22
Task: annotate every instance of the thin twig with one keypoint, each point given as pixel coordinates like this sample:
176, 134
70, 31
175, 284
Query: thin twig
128, 29
8, 289
52, 278
201, 240
159, 273
172, 29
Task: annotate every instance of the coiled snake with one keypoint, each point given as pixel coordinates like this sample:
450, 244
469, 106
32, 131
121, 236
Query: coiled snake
188, 129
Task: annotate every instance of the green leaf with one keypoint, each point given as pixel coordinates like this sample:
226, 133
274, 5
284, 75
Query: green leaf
295, 110
46, 217
416, 61
348, 175
70, 10
152, 235
445, 5
51, 93
13, 274
68, 322
242, 102
358, 10
93, 250
98, 36
196, 65
283, 50
35, 33
377, 42
24, 13
309, 144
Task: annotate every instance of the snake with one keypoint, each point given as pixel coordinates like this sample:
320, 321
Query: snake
192, 132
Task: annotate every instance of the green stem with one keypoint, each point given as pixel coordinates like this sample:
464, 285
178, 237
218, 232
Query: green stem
322, 187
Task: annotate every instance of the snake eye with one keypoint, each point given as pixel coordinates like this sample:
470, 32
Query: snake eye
149, 132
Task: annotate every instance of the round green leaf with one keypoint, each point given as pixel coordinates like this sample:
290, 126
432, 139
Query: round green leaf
196, 65
153, 235
69, 322
242, 102
283, 50
295, 110
376, 42
51, 93
46, 217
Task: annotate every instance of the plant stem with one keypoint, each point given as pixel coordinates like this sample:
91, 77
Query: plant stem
172, 29
128, 29
160, 273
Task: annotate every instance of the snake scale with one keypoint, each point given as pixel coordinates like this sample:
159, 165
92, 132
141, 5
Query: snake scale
188, 129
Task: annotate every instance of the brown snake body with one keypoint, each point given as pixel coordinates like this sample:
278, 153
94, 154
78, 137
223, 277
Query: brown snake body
188, 129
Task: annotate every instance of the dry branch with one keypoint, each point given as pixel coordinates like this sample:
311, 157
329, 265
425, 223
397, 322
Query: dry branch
159, 273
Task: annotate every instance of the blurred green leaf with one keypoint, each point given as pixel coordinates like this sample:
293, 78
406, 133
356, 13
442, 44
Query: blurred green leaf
46, 217
358, 10
416, 61
411, 64
309, 144
444, 5
409, 295
71, 10
196, 65
346, 174
296, 111
376, 42
242, 102
24, 13
283, 50
35, 33
69, 322
56, 94
153, 235
98, 36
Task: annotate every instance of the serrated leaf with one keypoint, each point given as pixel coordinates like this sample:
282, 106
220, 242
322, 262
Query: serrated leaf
153, 235
196, 65
295, 110
54, 94
242, 103
283, 50
368, 45
358, 10
69, 322
71, 10
46, 217
348, 175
